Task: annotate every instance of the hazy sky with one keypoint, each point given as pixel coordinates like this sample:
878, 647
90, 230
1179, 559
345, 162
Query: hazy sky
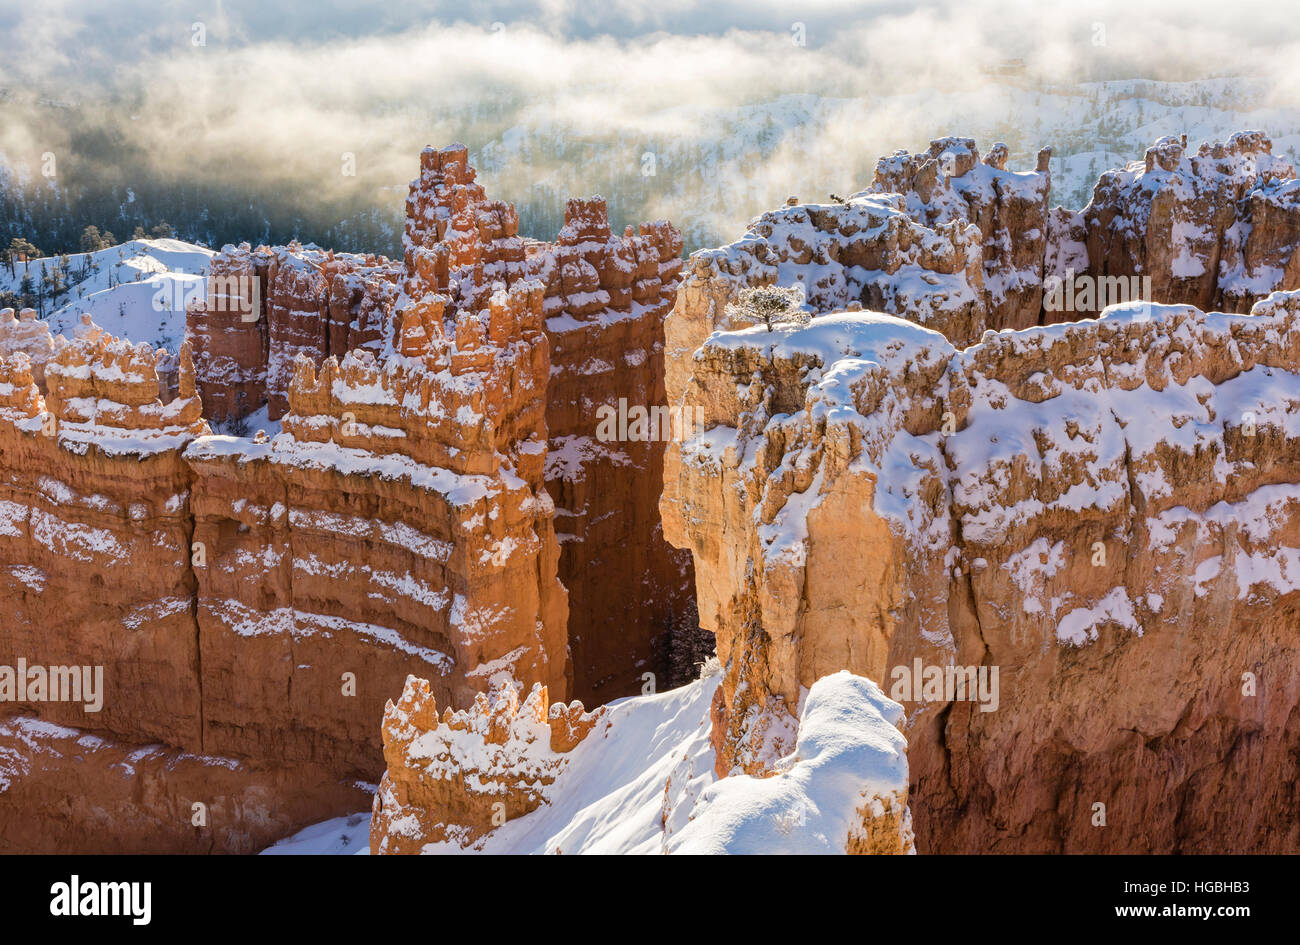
94, 42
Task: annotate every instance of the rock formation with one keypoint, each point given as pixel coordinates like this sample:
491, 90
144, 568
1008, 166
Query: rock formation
95, 540
950, 184
255, 601
399, 524
260, 601
264, 307
1075, 506
637, 777
73, 790
27, 334
631, 594
964, 246
976, 569
1218, 228
1070, 552
605, 298
95, 534
1105, 511
455, 779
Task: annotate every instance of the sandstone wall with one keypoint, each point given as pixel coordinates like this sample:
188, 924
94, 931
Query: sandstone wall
95, 533
399, 524
99, 570
605, 299
265, 306
631, 594
271, 593
1218, 228
69, 789
227, 333
1106, 511
256, 601
950, 183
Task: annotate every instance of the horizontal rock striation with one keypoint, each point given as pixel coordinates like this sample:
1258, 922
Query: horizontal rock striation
604, 298
74, 790
257, 600
1106, 513
94, 533
399, 524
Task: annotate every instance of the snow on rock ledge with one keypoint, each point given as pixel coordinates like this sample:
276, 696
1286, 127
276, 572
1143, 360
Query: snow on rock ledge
638, 777
843, 790
1106, 512
456, 779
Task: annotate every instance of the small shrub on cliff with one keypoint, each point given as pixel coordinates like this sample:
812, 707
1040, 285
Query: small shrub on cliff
770, 305
233, 426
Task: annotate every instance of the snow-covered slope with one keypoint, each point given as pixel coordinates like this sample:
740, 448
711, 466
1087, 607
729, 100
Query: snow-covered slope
644, 782
136, 290
348, 835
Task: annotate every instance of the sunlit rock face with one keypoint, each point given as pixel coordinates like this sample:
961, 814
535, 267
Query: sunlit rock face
453, 780
265, 306
605, 298
1107, 513
1064, 547
1219, 228
256, 600
1102, 511
964, 244
983, 576
638, 777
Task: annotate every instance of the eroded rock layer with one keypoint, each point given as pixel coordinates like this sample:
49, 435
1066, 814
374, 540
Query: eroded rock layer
605, 298
1219, 228
964, 245
1106, 513
453, 780
398, 524
265, 306
78, 791
94, 534
638, 777
631, 593
257, 600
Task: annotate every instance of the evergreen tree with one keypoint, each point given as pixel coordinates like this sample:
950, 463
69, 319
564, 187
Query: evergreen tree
92, 240
20, 248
